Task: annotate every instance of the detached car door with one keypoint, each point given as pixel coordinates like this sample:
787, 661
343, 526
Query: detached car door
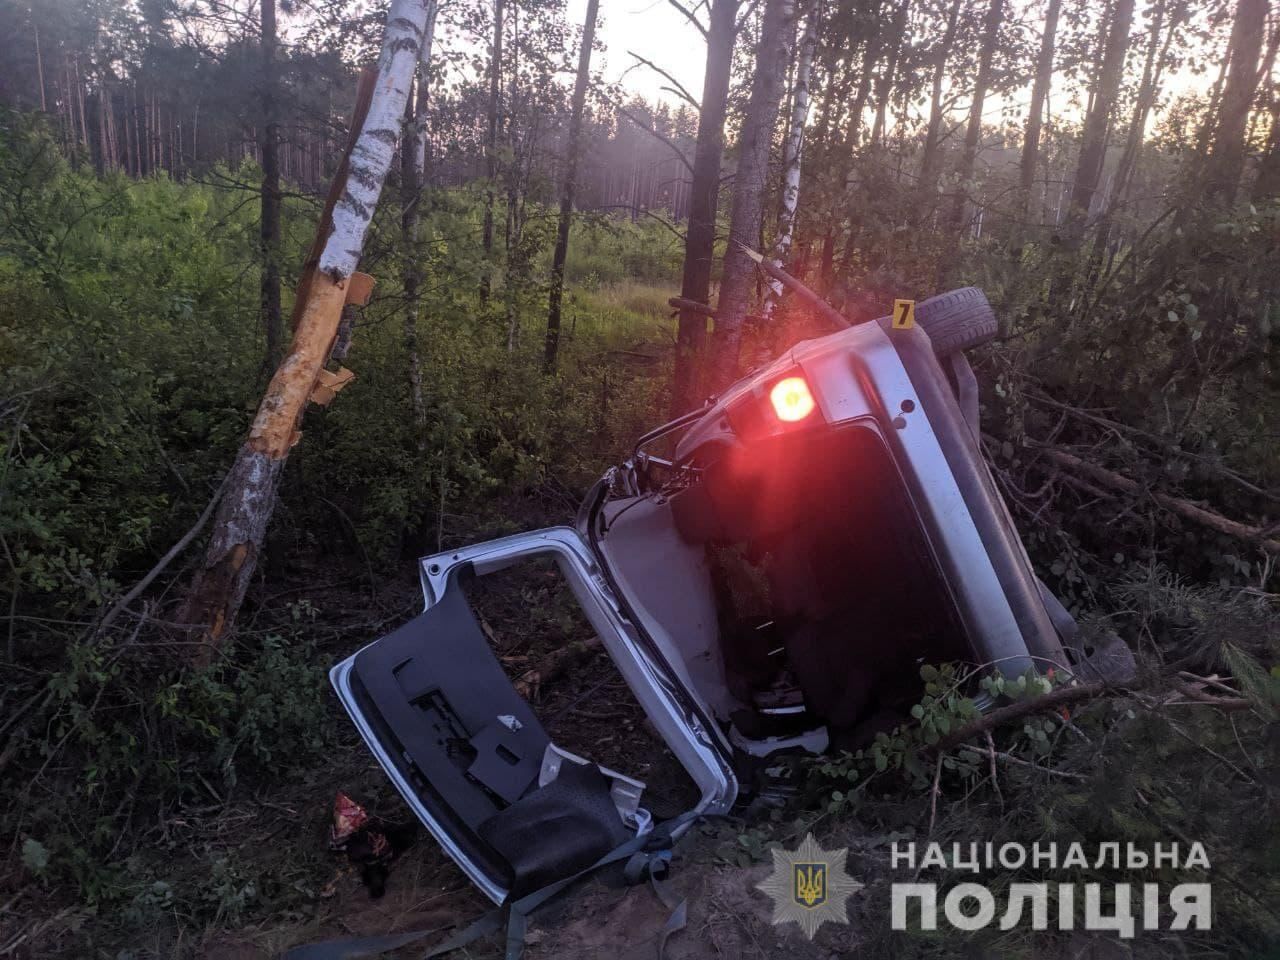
472, 759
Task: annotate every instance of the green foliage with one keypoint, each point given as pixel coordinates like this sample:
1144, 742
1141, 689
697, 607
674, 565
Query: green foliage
123, 732
133, 353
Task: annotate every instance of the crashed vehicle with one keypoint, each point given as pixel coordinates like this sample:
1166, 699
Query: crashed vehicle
821, 528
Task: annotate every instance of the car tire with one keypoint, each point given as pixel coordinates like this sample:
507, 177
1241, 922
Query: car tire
957, 320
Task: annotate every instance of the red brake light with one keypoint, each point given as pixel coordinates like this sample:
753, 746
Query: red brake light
791, 399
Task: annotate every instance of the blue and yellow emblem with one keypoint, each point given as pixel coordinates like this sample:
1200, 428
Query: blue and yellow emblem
811, 884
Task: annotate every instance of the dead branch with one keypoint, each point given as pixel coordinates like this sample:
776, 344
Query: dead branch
830, 313
693, 306
991, 753
678, 88
1052, 701
164, 561
690, 16
1215, 468
1183, 508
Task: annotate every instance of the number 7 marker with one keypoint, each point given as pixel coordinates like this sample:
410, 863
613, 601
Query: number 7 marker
904, 314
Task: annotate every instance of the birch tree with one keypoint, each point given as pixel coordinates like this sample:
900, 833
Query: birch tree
736, 284
250, 488
792, 157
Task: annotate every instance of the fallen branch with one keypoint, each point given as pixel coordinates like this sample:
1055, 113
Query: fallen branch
1215, 468
992, 754
1051, 701
693, 306
830, 313
164, 561
1183, 508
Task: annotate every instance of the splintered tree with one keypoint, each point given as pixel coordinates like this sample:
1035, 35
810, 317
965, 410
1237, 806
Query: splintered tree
249, 492
704, 198
749, 186
570, 176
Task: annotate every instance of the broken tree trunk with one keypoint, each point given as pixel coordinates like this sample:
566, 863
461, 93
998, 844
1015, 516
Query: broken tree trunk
246, 507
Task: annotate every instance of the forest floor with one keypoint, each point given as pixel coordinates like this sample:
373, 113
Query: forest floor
281, 831
280, 886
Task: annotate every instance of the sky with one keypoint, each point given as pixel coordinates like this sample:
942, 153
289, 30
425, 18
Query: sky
654, 30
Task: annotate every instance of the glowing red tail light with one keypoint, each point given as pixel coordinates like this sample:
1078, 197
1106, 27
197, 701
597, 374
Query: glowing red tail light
791, 399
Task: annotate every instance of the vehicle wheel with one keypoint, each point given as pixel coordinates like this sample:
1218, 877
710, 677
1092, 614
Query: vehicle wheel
957, 320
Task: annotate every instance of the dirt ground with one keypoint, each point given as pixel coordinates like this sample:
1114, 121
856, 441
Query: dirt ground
601, 917
527, 615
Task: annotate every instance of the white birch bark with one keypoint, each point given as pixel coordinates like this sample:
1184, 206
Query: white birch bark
792, 153
374, 150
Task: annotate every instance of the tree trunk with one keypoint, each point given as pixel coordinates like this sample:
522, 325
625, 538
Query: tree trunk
1148, 88
1093, 143
1267, 185
973, 133
250, 492
704, 195
1226, 161
571, 173
422, 146
929, 163
269, 225
491, 144
1035, 113
412, 170
44, 105
870, 57
737, 283
884, 86
791, 157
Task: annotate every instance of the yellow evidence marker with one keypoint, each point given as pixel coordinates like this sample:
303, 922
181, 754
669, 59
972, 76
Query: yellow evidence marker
904, 314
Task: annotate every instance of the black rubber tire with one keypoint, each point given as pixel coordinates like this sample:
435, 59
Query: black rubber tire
957, 320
